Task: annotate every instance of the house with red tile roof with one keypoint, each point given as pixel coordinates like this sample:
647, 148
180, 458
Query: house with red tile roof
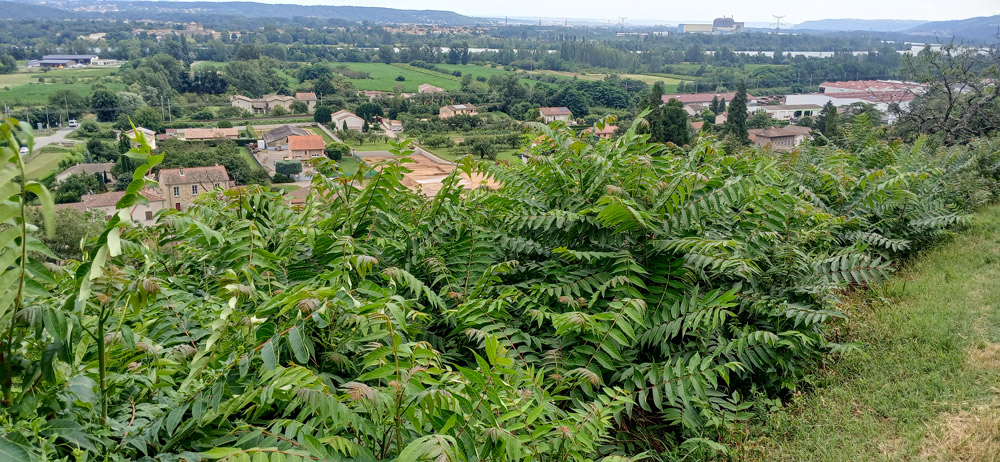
306, 147
107, 202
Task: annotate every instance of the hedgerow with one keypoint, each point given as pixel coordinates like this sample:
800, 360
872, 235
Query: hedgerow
611, 300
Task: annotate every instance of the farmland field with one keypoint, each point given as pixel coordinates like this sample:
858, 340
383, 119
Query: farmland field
669, 81
24, 87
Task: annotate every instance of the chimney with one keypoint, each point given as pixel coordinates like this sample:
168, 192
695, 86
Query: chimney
181, 171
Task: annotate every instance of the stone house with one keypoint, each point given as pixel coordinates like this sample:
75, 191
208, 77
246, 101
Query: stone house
180, 186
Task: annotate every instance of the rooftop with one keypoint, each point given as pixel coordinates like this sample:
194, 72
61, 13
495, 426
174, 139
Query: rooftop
110, 199
702, 97
210, 133
89, 168
306, 143
872, 85
189, 175
281, 132
552, 111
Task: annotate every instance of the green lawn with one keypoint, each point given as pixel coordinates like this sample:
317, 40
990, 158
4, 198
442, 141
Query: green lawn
45, 163
924, 385
370, 146
453, 154
349, 164
245, 153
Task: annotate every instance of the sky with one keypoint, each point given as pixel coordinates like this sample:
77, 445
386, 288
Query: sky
795, 11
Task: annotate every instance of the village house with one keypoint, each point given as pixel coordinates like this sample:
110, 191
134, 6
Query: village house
263, 105
428, 88
201, 134
277, 138
107, 203
148, 134
309, 99
395, 125
780, 138
552, 114
346, 120
103, 169
457, 109
607, 132
306, 147
180, 186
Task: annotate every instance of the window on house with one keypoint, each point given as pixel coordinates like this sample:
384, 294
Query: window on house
216, 185
177, 205
194, 189
177, 190
149, 215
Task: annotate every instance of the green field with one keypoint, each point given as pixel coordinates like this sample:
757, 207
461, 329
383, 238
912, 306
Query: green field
24, 87
45, 163
383, 77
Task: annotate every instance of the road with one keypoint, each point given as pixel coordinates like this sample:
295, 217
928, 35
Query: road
55, 138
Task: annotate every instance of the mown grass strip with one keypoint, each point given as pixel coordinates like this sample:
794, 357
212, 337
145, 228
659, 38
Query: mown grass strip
925, 384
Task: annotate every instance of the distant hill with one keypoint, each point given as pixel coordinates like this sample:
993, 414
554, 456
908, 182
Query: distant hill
878, 25
980, 29
169, 9
19, 11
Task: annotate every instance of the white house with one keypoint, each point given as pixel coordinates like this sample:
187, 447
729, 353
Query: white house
339, 118
552, 114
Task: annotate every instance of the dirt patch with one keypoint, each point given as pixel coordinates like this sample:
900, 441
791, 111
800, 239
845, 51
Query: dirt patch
985, 355
427, 175
967, 436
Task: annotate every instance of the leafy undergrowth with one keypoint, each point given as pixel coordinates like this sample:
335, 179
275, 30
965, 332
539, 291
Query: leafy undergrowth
926, 383
608, 300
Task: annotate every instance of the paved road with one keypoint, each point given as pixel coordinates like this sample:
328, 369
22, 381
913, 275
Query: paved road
58, 136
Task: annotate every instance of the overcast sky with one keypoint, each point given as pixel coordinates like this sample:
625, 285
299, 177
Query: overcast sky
795, 11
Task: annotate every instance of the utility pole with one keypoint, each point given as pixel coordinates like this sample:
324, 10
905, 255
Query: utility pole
47, 116
777, 23
162, 115
170, 110
65, 106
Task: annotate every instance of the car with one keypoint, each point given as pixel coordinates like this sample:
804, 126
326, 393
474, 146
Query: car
24, 150
72, 123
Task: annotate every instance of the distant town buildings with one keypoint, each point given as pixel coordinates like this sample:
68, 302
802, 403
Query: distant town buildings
882, 94
191, 29
719, 26
267, 103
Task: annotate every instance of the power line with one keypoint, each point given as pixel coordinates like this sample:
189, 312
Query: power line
777, 23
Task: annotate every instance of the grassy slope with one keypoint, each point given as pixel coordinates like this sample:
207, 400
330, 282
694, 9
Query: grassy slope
45, 163
925, 385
